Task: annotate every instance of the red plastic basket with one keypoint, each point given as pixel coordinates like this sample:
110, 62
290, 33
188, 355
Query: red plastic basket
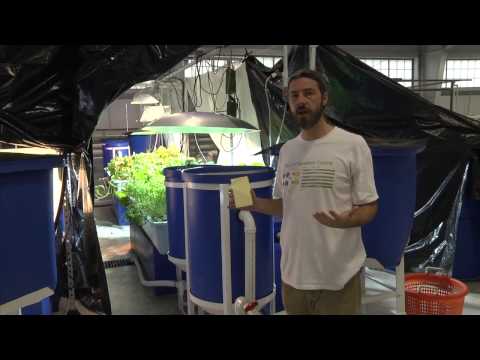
429, 294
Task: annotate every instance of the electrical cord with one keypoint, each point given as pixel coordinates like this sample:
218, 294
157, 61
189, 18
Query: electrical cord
200, 150
267, 94
283, 122
233, 148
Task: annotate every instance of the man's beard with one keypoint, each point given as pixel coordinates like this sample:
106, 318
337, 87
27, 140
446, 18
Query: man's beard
309, 120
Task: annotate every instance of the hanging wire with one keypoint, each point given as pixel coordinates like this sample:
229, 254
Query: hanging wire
199, 149
267, 94
283, 122
228, 137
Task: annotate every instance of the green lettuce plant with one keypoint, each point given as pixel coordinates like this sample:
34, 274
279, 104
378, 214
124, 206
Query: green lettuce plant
140, 185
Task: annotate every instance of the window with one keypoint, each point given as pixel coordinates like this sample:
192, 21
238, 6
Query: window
463, 69
209, 65
393, 68
213, 65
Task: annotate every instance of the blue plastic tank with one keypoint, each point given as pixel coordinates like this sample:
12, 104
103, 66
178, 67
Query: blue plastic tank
203, 215
154, 265
466, 265
175, 210
387, 235
27, 245
141, 143
120, 212
278, 278
113, 148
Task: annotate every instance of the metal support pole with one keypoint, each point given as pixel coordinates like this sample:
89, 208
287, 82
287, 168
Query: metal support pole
231, 149
313, 56
451, 95
285, 68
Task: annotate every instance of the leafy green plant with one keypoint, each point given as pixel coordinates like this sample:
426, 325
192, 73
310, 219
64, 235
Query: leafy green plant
140, 185
254, 163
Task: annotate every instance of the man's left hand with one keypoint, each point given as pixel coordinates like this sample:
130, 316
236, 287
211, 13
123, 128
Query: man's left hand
333, 219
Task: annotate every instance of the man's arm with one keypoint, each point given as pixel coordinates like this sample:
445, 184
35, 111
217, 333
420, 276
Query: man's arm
265, 206
358, 216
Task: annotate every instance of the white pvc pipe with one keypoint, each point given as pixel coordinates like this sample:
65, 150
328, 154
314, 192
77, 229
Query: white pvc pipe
273, 304
180, 289
226, 250
250, 234
154, 283
190, 310
15, 306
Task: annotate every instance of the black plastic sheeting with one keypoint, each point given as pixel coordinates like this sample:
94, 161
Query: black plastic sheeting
52, 96
366, 102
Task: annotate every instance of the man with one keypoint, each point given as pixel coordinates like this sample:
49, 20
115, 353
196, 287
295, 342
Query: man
325, 192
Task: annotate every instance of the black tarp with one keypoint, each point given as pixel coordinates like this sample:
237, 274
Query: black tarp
52, 96
364, 101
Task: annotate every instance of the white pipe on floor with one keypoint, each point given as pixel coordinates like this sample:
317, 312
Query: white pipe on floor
14, 307
148, 283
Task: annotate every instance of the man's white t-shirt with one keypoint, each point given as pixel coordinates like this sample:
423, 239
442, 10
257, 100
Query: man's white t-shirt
334, 172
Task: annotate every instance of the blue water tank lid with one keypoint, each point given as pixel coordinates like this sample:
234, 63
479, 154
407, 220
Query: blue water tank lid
174, 173
116, 142
392, 151
13, 162
223, 174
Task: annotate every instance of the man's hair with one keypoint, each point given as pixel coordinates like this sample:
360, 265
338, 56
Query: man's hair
317, 76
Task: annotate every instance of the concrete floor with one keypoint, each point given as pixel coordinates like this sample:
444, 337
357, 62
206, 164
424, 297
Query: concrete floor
129, 297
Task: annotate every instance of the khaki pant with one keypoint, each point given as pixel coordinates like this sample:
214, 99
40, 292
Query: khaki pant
346, 301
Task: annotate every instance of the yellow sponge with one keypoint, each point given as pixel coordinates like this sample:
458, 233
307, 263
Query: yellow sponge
241, 192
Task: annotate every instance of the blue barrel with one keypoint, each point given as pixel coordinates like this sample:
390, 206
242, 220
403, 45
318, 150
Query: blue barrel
466, 265
141, 143
386, 237
44, 307
203, 215
27, 246
277, 226
113, 148
278, 278
175, 213
120, 212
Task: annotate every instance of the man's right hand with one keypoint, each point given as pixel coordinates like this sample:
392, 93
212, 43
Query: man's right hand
232, 205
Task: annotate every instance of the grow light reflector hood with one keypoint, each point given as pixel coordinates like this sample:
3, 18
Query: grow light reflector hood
199, 123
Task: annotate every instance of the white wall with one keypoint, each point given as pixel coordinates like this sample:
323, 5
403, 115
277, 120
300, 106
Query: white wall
467, 103
120, 115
